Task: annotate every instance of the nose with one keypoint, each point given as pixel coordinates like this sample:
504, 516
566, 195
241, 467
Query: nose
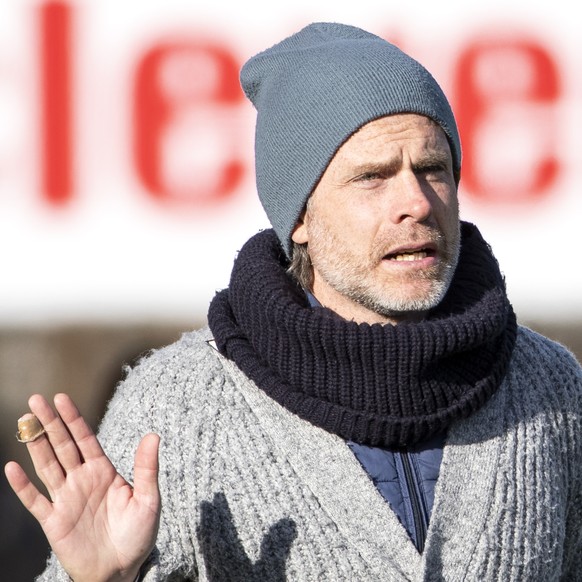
410, 200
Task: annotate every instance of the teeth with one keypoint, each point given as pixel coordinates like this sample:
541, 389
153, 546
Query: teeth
417, 256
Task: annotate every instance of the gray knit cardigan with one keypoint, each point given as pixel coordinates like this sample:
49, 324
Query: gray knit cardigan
253, 493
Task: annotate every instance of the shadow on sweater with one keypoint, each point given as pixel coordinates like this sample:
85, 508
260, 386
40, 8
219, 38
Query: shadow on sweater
224, 554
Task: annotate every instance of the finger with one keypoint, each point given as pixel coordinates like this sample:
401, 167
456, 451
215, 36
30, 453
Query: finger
64, 448
38, 505
42, 454
85, 440
145, 474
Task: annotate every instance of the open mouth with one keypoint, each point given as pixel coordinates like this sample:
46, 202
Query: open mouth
416, 255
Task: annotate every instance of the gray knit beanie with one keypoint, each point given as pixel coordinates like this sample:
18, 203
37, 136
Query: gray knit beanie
312, 91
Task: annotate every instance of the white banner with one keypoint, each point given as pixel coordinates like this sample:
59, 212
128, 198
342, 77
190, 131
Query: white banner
126, 146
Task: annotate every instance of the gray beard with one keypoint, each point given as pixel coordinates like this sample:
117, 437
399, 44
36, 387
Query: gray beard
393, 307
357, 291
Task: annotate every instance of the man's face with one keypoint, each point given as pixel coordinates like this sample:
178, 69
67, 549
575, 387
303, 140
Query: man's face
382, 225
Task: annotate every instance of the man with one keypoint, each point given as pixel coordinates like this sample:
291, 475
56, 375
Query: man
363, 348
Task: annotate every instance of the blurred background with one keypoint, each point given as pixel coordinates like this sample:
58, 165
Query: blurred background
127, 178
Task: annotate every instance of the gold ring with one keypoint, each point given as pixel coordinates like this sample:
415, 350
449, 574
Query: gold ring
29, 428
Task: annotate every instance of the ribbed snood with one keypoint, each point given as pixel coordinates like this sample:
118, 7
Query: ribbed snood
380, 385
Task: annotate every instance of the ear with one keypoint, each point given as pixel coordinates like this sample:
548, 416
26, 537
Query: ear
299, 234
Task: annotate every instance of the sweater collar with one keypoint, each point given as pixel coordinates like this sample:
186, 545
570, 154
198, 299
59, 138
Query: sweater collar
380, 385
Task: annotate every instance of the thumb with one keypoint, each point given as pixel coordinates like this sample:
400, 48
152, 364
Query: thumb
145, 473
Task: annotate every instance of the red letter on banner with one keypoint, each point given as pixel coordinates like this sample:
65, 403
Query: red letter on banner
505, 91
186, 122
54, 20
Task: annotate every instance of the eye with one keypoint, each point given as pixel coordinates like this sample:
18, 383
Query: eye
369, 181
367, 178
433, 171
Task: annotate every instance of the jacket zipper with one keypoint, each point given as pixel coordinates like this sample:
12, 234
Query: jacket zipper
415, 501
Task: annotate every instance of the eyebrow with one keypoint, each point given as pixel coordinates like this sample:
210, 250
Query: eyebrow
427, 159
375, 167
432, 158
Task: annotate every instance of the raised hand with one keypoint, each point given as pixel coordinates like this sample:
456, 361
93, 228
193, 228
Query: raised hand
99, 527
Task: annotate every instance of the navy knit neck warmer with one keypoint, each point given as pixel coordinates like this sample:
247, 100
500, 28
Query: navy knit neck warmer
379, 385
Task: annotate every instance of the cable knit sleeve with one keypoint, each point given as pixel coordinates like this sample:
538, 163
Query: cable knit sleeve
556, 371
146, 402
573, 555
156, 396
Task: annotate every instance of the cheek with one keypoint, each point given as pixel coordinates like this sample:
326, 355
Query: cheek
346, 223
446, 211
354, 235
359, 220
453, 214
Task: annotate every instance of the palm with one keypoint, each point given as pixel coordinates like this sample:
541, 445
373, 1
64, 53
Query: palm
99, 527
99, 522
